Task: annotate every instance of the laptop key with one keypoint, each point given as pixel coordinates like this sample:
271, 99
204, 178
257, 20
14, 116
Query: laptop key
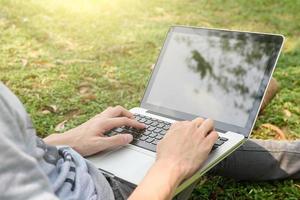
159, 137
160, 125
151, 128
148, 122
223, 139
219, 142
163, 132
111, 133
157, 130
155, 142
118, 130
143, 138
146, 133
154, 123
149, 140
153, 135
160, 121
142, 120
214, 147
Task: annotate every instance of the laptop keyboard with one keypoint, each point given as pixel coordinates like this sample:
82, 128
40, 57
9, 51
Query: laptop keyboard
149, 137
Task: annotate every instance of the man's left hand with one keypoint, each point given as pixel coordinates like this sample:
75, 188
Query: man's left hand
89, 138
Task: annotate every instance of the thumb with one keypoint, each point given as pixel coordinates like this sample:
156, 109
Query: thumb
117, 140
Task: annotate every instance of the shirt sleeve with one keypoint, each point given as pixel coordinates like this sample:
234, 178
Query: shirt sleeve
21, 177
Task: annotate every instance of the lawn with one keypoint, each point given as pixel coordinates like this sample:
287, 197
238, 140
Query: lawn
68, 60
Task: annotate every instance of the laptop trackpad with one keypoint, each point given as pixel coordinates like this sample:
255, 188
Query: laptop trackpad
125, 163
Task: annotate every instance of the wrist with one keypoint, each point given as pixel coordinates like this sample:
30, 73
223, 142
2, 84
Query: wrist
160, 182
58, 139
174, 169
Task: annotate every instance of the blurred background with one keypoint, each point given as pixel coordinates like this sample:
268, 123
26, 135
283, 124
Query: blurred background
68, 60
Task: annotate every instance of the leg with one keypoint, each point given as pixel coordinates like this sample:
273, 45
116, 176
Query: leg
262, 160
122, 190
272, 89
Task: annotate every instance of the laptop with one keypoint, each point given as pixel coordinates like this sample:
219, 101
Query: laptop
200, 72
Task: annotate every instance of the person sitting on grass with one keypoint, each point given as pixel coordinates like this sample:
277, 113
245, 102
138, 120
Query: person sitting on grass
55, 168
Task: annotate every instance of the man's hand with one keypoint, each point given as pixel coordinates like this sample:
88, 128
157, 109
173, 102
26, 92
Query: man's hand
179, 154
89, 138
187, 145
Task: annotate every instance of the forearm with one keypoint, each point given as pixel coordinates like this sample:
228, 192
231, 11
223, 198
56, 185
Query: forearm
159, 183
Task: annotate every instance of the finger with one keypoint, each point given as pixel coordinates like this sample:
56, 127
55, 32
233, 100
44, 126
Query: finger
115, 141
118, 111
206, 127
198, 121
211, 138
122, 121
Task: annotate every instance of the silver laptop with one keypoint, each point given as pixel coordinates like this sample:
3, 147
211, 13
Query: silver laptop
200, 72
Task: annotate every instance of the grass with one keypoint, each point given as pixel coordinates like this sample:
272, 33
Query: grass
68, 60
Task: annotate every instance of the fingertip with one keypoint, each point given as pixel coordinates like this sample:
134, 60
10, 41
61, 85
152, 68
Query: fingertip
210, 120
215, 132
214, 135
128, 138
198, 119
138, 124
142, 125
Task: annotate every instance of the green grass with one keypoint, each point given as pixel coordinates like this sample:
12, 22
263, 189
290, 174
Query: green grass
68, 60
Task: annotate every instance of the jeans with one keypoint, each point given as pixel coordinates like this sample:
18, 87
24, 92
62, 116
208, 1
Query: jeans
256, 160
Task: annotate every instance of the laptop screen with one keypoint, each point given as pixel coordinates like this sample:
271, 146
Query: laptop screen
213, 74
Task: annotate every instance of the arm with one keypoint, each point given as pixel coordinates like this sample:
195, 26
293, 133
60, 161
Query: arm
160, 182
21, 176
182, 151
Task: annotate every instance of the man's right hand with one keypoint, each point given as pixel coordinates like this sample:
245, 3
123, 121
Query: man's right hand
179, 154
187, 145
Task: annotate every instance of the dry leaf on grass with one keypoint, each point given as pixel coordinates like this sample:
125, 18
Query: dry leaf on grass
59, 127
84, 88
24, 62
88, 97
279, 133
46, 112
73, 113
50, 109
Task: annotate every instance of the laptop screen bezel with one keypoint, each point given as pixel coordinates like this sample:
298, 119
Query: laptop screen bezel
220, 126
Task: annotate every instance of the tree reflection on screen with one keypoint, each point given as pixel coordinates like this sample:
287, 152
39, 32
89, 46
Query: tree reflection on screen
222, 71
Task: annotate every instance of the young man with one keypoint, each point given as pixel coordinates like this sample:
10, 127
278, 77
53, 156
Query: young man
32, 168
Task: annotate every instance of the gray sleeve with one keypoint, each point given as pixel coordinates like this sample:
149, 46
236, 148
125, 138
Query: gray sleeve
20, 175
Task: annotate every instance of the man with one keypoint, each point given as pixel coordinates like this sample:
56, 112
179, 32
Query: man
32, 168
